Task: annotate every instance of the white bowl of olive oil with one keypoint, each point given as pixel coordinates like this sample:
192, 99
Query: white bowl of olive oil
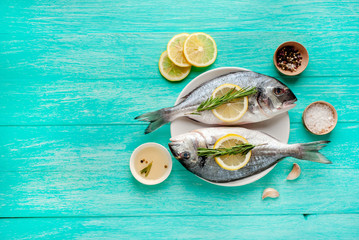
151, 163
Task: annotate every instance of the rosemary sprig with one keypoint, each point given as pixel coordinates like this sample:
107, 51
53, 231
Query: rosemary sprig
147, 169
212, 103
242, 149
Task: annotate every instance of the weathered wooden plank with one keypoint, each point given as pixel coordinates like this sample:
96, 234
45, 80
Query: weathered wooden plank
332, 226
111, 101
79, 170
135, 56
165, 15
108, 148
91, 62
117, 193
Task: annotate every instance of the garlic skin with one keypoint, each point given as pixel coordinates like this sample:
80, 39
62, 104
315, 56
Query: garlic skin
295, 173
270, 192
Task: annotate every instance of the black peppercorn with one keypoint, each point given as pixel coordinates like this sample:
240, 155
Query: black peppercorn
289, 59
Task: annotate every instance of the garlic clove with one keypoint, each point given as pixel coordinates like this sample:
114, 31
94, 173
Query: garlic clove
270, 192
295, 173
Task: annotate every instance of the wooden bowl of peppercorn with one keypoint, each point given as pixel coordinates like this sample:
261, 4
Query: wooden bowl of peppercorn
291, 58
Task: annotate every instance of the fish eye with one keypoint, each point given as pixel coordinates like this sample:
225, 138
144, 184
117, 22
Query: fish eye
186, 155
278, 91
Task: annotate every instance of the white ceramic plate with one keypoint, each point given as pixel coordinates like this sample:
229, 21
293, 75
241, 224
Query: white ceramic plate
277, 127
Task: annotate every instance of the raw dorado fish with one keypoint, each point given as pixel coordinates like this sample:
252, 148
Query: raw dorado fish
272, 98
268, 151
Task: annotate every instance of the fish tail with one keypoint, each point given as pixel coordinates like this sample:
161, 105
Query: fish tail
156, 119
310, 152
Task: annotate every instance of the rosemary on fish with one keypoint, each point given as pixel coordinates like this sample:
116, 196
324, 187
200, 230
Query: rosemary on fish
242, 149
147, 169
212, 103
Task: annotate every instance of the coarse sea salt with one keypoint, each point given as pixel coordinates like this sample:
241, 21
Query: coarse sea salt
319, 118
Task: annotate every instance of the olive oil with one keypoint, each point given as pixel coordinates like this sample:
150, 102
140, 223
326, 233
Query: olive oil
151, 163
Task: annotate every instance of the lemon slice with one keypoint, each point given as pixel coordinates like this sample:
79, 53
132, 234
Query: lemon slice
231, 162
200, 49
175, 50
232, 111
170, 71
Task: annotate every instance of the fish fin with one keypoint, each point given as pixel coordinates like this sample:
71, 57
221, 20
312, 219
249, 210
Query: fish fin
310, 152
156, 119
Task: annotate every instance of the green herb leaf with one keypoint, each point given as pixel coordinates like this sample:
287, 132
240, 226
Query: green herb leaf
212, 103
147, 169
242, 149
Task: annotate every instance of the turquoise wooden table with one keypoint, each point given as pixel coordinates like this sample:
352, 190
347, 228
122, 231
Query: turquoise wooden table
74, 74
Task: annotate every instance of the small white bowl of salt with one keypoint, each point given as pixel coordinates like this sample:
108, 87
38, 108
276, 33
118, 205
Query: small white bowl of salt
320, 118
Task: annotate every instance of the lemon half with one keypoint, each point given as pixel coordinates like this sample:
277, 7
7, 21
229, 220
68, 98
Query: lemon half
170, 71
231, 111
200, 49
231, 162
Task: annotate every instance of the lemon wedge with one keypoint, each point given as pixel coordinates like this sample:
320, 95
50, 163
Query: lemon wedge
231, 111
170, 71
175, 50
231, 162
200, 49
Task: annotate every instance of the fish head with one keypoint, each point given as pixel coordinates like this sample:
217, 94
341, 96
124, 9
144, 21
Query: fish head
275, 98
184, 149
